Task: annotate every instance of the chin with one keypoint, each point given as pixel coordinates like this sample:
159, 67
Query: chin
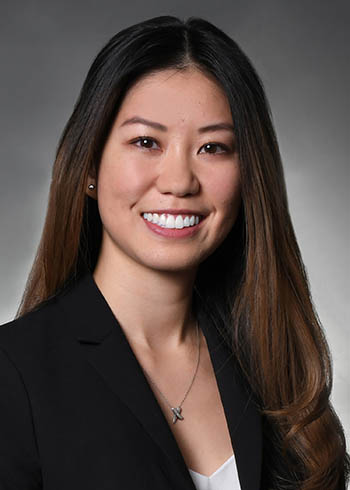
172, 265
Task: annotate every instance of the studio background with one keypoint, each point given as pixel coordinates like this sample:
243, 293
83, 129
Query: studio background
300, 50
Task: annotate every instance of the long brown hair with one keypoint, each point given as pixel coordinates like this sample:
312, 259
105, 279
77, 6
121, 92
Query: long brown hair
254, 285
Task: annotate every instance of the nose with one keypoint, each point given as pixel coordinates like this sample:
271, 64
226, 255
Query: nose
176, 176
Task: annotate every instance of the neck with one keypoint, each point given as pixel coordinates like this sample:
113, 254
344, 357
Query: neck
153, 307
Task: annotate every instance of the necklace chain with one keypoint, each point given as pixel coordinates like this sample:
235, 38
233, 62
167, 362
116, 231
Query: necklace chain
177, 410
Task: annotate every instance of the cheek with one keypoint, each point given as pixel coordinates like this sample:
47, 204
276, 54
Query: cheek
122, 182
227, 191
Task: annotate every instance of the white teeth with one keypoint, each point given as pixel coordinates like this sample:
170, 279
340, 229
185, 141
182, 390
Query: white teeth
171, 221
162, 220
179, 222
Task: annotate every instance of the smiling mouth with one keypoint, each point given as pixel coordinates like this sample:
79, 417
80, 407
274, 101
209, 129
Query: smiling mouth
172, 221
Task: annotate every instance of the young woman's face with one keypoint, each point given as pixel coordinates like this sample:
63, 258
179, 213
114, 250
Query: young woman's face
168, 187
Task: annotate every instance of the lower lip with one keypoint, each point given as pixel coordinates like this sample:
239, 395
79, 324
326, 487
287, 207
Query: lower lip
173, 232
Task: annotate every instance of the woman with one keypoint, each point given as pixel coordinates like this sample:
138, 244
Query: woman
166, 338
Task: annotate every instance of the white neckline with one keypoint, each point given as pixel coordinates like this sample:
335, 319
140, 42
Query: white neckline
216, 471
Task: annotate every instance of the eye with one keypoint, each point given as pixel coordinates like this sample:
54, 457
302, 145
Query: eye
212, 147
145, 142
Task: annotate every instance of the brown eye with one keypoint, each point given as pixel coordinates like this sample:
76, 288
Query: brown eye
212, 148
145, 142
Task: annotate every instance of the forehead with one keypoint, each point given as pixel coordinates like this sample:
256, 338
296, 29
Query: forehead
187, 93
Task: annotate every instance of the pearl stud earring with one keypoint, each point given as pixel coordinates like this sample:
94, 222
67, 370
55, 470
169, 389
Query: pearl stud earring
91, 186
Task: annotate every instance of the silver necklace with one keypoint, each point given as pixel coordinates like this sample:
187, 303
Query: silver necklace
177, 410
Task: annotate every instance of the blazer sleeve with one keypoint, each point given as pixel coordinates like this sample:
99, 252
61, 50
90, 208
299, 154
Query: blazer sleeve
19, 459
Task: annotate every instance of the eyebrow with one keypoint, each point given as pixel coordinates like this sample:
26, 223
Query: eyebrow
161, 127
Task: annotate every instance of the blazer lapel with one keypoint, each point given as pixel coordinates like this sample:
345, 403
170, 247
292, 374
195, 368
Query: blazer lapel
241, 411
107, 349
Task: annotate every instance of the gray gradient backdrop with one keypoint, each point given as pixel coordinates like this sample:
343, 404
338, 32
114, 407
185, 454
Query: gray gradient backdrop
300, 51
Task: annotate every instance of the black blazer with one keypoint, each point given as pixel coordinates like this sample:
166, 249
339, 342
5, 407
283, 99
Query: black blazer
76, 411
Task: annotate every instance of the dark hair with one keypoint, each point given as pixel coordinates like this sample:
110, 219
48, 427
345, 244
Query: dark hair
254, 285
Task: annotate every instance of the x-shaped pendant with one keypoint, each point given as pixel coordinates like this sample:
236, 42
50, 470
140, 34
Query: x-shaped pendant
177, 414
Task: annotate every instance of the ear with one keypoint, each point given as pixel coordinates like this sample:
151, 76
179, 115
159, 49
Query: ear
91, 187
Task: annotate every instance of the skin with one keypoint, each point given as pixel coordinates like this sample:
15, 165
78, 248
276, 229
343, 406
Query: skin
137, 270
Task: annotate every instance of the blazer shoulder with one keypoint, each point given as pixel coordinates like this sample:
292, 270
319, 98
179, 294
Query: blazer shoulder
36, 330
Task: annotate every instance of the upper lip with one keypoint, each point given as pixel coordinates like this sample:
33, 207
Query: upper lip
177, 211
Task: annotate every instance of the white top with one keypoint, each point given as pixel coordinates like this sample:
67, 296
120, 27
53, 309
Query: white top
224, 478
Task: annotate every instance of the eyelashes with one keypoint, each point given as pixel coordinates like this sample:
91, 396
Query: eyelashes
209, 146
